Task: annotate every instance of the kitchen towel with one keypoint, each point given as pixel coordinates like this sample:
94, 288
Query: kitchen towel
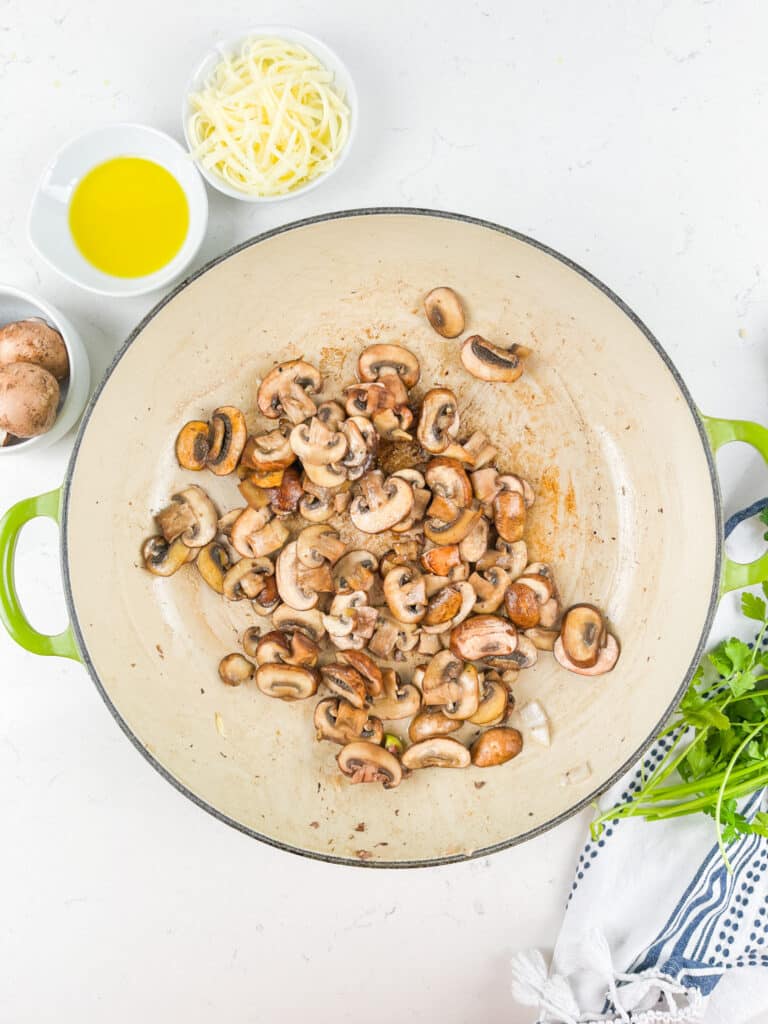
656, 929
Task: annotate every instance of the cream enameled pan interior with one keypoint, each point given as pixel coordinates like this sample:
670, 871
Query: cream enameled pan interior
625, 513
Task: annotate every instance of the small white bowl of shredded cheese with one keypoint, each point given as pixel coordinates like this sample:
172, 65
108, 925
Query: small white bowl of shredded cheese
269, 115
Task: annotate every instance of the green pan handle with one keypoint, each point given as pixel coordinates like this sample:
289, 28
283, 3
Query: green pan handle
11, 613
720, 432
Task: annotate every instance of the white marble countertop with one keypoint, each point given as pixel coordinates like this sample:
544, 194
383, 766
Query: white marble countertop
630, 136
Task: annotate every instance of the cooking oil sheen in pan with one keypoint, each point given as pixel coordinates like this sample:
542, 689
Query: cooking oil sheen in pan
129, 217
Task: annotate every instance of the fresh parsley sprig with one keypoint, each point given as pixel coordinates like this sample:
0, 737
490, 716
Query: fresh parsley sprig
719, 740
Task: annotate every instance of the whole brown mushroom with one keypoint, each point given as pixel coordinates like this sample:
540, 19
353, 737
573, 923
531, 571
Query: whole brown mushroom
29, 398
33, 341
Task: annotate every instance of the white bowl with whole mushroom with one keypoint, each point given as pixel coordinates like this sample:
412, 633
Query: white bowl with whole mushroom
44, 373
414, 644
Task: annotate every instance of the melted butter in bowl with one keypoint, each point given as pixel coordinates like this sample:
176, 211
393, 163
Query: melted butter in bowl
119, 211
129, 216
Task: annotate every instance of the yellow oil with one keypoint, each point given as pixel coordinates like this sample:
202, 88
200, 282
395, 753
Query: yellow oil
129, 216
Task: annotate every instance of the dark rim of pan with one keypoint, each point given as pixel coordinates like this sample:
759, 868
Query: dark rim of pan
631, 758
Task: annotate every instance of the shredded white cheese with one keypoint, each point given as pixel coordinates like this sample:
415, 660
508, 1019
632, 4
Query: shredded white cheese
269, 119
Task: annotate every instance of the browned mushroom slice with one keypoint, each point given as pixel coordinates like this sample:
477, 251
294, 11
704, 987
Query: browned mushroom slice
288, 585
399, 700
525, 655
288, 682
193, 445
440, 560
458, 574
394, 423
362, 444
490, 588
308, 621
212, 563
510, 482
448, 480
439, 420
392, 639
490, 362
325, 476
331, 414
494, 702
542, 586
378, 362
286, 390
355, 571
254, 479
453, 532
268, 598
246, 578
277, 647
191, 516
582, 634
245, 533
429, 643
368, 669
431, 722
475, 544
234, 669
350, 621
483, 635
467, 603
496, 746
512, 557
463, 695
267, 451
227, 521
336, 720
316, 510
368, 400
381, 503
315, 444
318, 544
366, 762
438, 752
509, 515
445, 312
606, 658
164, 559
443, 606
345, 681
405, 595
284, 500
256, 495
478, 450
542, 639
485, 484
250, 640
318, 579
228, 436
441, 677
550, 613
522, 605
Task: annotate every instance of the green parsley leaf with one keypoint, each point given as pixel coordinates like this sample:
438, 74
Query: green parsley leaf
738, 653
741, 683
753, 606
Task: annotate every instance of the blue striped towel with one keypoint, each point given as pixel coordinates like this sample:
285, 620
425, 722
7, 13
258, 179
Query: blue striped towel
656, 930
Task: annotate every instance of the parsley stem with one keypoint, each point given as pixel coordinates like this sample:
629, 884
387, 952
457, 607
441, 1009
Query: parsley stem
654, 794
726, 775
701, 804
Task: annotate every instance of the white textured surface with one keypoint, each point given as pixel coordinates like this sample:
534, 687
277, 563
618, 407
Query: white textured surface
630, 136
